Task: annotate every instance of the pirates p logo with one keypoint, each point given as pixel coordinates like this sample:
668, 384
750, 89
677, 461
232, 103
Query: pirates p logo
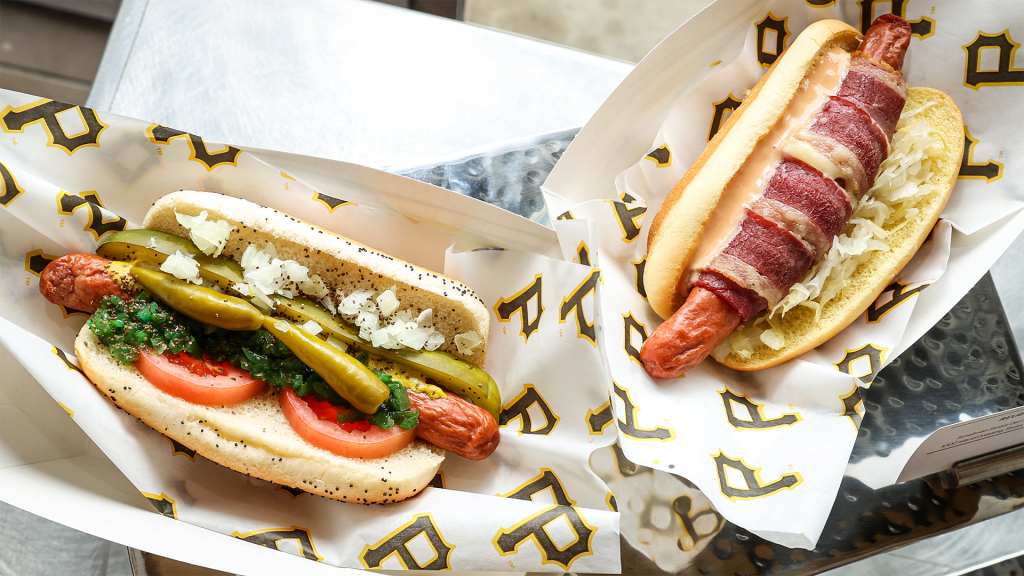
507, 541
98, 225
567, 215
739, 481
853, 407
179, 448
574, 301
520, 408
163, 135
632, 326
922, 28
519, 304
661, 156
10, 189
726, 105
1004, 73
989, 171
598, 420
434, 553
745, 414
50, 113
67, 361
331, 202
638, 268
583, 254
163, 503
900, 294
274, 537
771, 39
628, 219
691, 521
629, 427
864, 363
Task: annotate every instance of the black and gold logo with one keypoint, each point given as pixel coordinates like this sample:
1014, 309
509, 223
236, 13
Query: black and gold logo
520, 408
35, 262
628, 219
629, 427
519, 304
567, 215
273, 537
633, 326
598, 420
638, 268
900, 294
574, 301
330, 202
583, 254
179, 448
751, 486
163, 503
864, 363
692, 524
68, 363
438, 480
99, 225
771, 39
661, 156
922, 28
200, 153
45, 112
507, 541
853, 407
723, 109
745, 414
291, 491
1004, 74
397, 544
10, 189
989, 171
820, 3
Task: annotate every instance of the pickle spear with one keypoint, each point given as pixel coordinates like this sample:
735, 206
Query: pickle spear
154, 247
348, 376
199, 302
458, 376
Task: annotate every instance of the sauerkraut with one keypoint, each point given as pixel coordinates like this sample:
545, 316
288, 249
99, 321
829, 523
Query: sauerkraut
889, 205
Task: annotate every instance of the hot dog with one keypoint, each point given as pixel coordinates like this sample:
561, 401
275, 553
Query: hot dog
339, 415
775, 188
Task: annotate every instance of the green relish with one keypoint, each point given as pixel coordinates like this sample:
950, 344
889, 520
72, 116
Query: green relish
128, 326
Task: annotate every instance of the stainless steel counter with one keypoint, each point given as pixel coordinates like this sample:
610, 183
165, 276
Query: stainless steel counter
363, 82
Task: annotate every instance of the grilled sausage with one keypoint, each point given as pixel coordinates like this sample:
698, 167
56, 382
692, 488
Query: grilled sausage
456, 425
79, 281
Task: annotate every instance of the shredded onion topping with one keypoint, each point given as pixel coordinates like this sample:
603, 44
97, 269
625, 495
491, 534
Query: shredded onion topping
182, 267
208, 236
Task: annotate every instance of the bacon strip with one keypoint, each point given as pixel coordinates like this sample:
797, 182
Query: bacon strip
878, 92
851, 127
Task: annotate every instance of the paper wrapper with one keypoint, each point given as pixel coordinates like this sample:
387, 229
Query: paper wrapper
769, 448
72, 176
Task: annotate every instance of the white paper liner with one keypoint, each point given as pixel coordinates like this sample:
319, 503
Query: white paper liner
769, 448
534, 505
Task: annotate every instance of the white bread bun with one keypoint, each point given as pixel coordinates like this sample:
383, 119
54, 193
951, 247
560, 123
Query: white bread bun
676, 229
255, 438
802, 332
342, 263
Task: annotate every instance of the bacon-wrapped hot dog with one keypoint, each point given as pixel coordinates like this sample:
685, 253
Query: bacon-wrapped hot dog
774, 188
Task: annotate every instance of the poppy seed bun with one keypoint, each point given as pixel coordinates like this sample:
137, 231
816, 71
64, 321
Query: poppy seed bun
254, 437
802, 333
676, 229
342, 263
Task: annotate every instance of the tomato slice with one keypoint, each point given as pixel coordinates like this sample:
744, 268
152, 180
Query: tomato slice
326, 433
199, 381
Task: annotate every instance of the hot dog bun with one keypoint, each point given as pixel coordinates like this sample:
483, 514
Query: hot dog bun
677, 227
255, 438
803, 333
686, 212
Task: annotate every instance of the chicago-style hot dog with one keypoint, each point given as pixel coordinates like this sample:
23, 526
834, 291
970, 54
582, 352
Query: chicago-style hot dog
281, 350
767, 199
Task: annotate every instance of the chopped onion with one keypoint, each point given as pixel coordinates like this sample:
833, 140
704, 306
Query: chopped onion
388, 302
182, 267
467, 341
312, 327
210, 237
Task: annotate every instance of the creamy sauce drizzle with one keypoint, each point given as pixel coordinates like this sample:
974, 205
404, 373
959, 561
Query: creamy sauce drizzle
752, 178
